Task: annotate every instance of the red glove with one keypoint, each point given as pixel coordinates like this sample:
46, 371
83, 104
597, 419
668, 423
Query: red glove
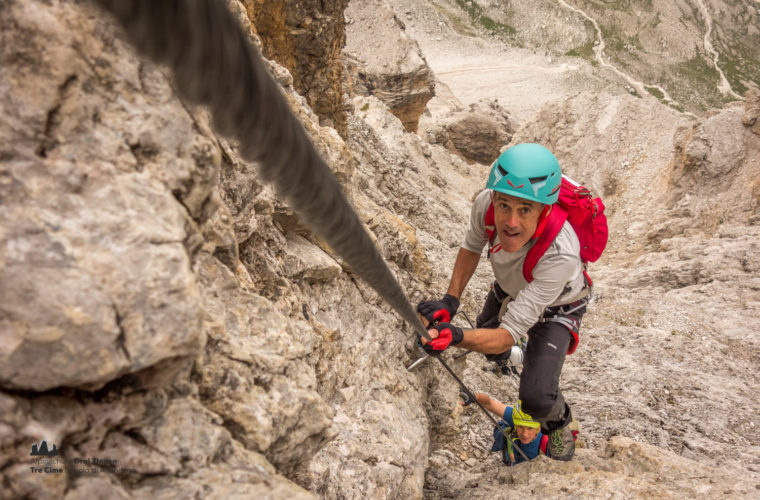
430, 308
448, 334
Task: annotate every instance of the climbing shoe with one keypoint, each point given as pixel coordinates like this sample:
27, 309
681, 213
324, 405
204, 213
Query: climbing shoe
561, 445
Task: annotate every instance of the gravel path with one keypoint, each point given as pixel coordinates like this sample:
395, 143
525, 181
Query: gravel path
474, 69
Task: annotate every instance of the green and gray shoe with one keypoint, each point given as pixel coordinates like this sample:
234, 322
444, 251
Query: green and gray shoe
561, 445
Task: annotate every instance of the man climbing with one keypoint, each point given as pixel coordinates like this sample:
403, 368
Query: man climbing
522, 187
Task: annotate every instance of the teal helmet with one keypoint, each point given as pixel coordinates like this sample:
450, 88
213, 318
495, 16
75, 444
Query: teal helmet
528, 171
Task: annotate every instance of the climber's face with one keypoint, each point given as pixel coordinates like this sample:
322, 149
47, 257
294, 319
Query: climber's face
526, 434
516, 220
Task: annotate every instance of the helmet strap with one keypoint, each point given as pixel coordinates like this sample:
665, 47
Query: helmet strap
542, 220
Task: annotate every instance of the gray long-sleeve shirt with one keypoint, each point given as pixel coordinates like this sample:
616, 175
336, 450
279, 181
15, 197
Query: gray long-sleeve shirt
557, 277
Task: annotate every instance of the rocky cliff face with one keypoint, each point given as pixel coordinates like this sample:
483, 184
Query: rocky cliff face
118, 248
477, 133
306, 38
382, 60
166, 317
163, 309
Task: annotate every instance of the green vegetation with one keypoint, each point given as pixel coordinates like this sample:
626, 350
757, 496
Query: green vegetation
694, 82
734, 74
655, 92
477, 15
738, 48
495, 27
622, 49
698, 70
585, 51
613, 40
460, 24
744, 67
365, 107
614, 5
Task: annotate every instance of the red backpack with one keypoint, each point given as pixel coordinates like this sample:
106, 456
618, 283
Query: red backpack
585, 214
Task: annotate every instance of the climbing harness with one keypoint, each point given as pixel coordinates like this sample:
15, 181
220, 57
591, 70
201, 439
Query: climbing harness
563, 315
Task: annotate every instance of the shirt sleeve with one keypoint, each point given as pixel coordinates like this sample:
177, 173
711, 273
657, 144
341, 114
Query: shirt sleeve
507, 417
476, 236
550, 277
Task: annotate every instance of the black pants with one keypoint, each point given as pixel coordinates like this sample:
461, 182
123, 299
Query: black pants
547, 347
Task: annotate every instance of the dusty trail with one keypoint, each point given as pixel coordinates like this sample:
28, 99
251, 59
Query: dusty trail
521, 80
724, 87
512, 67
599, 53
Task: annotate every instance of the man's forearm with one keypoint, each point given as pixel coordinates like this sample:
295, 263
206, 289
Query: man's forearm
487, 340
464, 268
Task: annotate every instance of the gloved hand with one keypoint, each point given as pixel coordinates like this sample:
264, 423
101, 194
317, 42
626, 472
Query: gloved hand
447, 334
448, 303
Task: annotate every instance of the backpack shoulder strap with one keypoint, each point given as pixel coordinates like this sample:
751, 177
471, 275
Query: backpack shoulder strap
553, 226
490, 223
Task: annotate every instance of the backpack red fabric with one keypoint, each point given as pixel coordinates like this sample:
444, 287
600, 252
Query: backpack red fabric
585, 214
543, 444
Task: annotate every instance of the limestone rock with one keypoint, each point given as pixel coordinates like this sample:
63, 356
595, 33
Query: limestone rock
383, 61
110, 216
361, 349
477, 134
628, 469
398, 243
716, 155
169, 442
87, 293
308, 261
188, 326
306, 37
256, 355
751, 118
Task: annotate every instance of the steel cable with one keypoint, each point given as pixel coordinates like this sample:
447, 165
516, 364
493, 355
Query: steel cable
215, 64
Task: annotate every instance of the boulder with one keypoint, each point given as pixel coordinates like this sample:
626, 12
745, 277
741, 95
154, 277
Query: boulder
305, 260
381, 60
477, 134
